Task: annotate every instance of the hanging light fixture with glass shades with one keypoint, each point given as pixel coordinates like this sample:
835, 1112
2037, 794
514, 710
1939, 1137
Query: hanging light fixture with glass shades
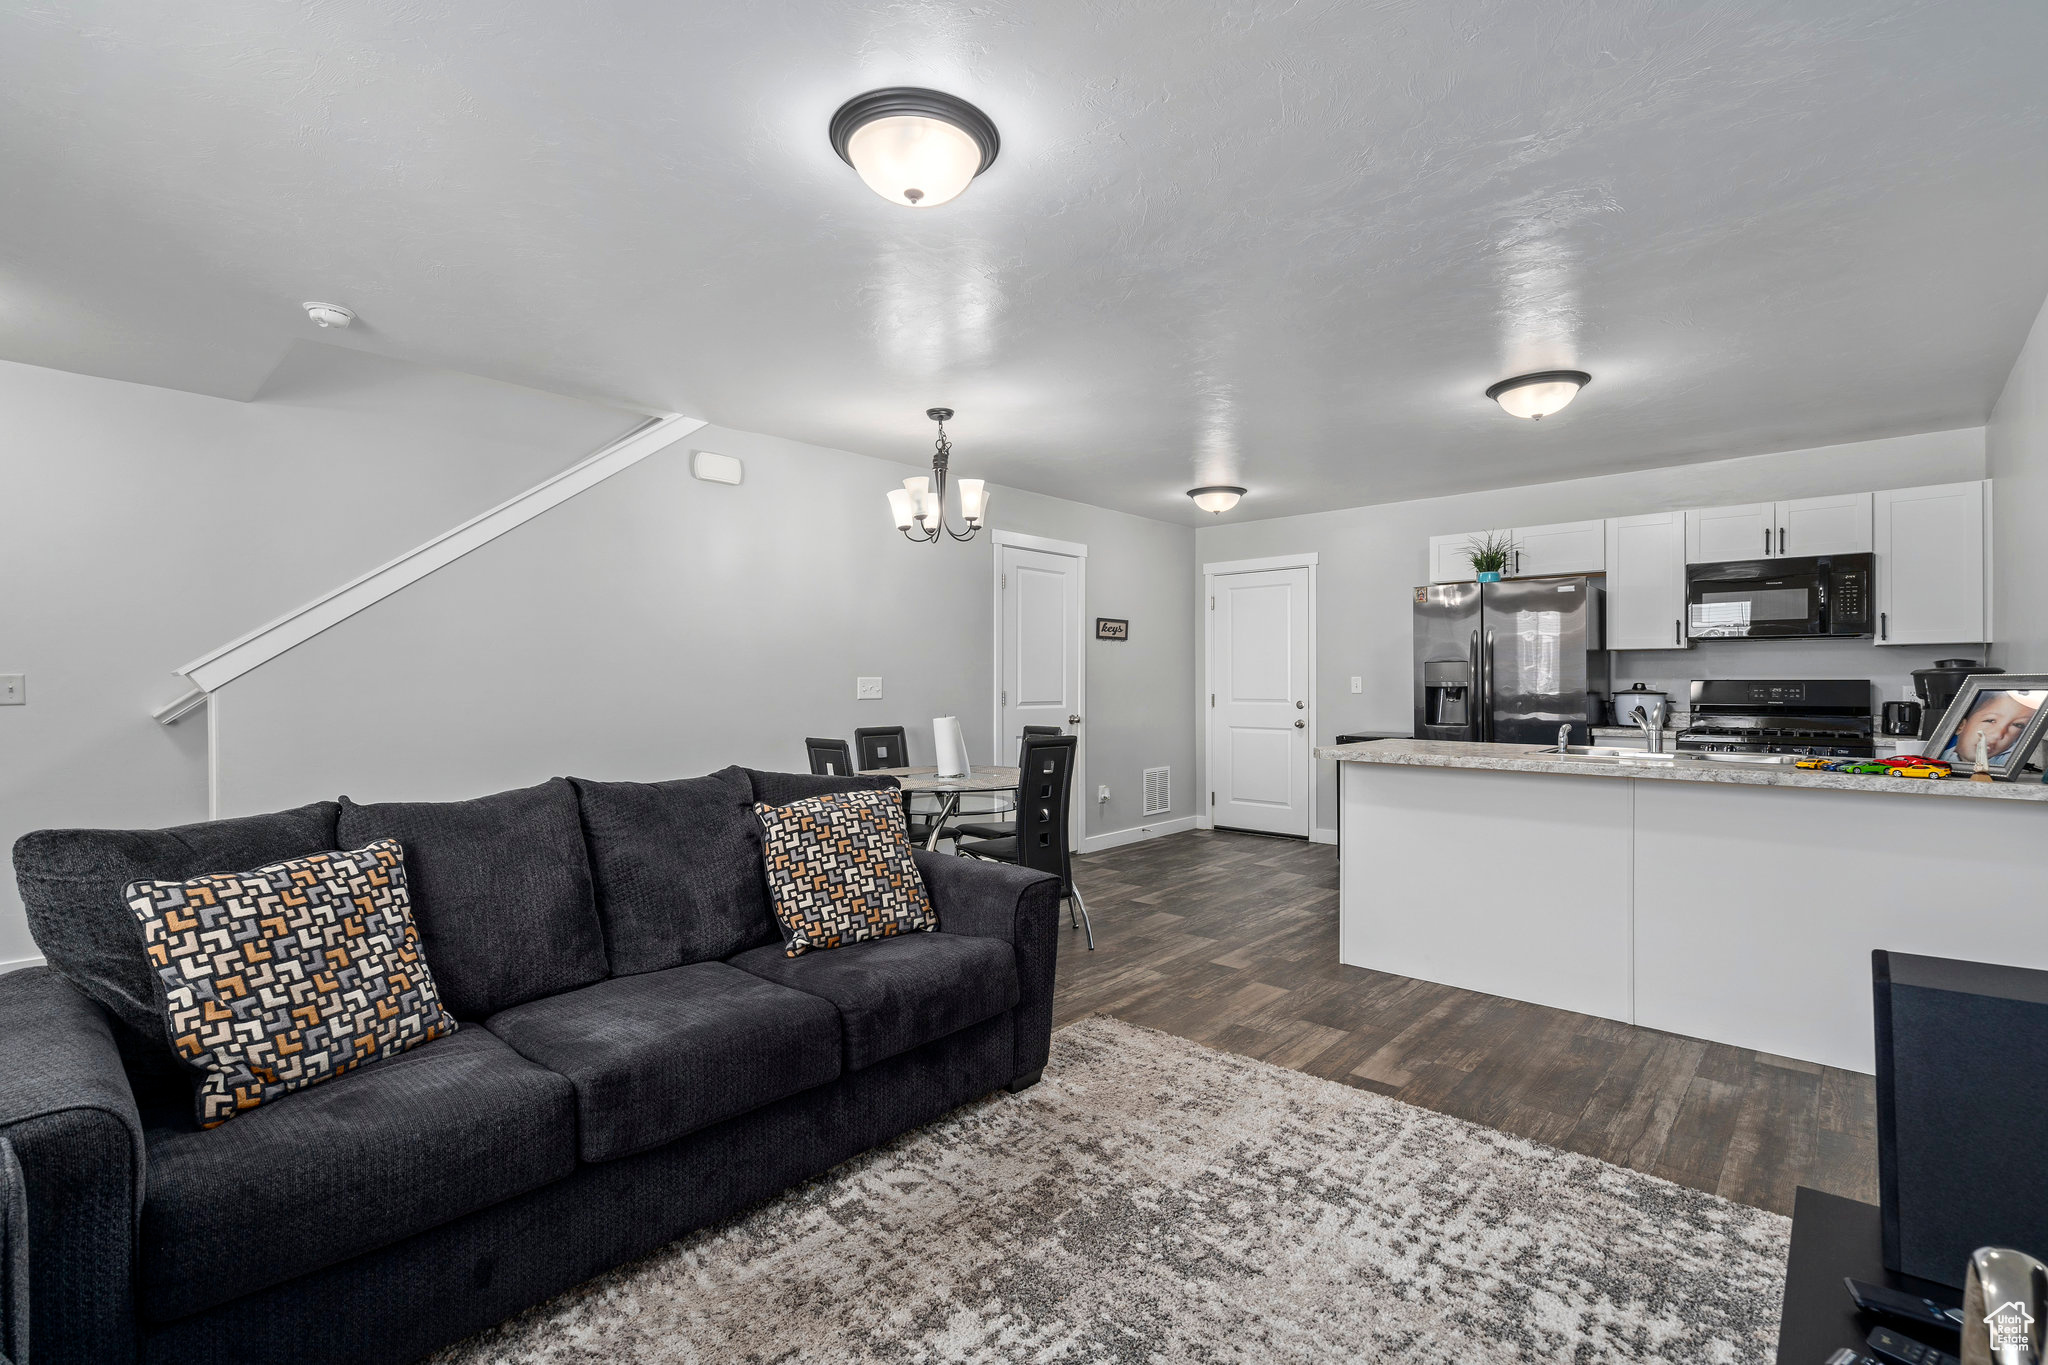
922, 501
914, 147
1536, 396
1216, 497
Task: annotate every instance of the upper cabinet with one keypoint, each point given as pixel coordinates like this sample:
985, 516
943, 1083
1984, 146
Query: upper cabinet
1839, 525
1802, 527
1646, 581
1568, 547
1932, 584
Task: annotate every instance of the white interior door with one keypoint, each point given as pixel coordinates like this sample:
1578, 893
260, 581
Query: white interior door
1258, 721
1039, 643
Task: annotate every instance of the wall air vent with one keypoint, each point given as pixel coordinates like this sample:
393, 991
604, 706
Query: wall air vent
1158, 791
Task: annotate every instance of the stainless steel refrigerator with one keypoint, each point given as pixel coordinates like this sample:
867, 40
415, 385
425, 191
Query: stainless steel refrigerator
1510, 661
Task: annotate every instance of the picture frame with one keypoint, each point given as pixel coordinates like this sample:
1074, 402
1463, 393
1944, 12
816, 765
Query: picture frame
1112, 628
2012, 708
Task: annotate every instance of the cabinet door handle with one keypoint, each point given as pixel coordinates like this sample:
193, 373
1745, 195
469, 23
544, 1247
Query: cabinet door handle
1884, 625
1678, 632
1767, 542
1781, 540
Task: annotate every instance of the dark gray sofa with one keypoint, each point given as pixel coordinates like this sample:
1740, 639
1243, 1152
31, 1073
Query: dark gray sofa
635, 1059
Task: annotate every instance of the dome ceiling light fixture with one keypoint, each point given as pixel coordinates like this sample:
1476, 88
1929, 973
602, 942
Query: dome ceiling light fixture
1536, 396
1216, 497
914, 147
922, 500
329, 314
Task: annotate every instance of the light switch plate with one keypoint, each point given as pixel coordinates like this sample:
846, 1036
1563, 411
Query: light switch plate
867, 689
1358, 684
13, 689
1102, 793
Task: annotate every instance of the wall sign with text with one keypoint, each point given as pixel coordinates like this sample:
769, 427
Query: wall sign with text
1109, 628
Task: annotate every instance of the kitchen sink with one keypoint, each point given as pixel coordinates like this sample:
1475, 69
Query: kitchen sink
1596, 753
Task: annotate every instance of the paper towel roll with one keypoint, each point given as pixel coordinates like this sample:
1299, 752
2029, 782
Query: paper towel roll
950, 746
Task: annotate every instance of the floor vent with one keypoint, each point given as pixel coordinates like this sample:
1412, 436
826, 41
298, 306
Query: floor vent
1158, 791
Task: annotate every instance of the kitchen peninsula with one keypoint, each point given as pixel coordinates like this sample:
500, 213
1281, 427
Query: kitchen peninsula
1730, 901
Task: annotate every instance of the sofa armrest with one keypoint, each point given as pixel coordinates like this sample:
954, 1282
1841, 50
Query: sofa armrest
68, 1112
991, 900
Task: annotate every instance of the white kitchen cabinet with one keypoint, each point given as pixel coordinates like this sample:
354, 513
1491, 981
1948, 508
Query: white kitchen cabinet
1566, 548
1838, 525
1932, 548
1646, 581
1450, 557
1796, 528
1715, 534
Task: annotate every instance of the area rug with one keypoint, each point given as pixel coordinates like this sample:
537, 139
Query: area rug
1152, 1200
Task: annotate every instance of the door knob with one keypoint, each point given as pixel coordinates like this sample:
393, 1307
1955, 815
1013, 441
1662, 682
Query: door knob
1073, 720
1301, 724
1301, 706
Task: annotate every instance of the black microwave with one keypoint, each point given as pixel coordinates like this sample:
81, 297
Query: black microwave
1827, 596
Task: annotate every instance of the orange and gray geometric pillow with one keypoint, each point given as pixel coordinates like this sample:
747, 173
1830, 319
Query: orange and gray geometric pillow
289, 975
840, 870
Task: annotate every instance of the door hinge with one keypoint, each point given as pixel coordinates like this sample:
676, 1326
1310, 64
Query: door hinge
1006, 696
1006, 580
1212, 699
1212, 798
1212, 602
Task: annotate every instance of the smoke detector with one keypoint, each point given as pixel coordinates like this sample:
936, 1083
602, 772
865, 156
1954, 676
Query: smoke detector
329, 314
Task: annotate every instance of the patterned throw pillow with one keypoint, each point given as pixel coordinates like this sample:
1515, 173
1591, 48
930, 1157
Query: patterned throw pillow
840, 869
289, 975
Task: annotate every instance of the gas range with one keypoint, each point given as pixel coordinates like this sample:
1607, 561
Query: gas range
1831, 717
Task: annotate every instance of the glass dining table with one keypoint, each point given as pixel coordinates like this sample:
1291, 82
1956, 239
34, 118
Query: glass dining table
949, 789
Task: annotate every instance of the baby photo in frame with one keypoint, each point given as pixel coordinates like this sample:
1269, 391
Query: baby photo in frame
2002, 714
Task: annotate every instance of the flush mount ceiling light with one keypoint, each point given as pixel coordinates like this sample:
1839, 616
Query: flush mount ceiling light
1536, 396
914, 147
922, 500
1216, 497
329, 314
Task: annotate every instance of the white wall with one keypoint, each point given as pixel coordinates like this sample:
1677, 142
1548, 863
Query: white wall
141, 526
655, 626
1373, 556
2016, 447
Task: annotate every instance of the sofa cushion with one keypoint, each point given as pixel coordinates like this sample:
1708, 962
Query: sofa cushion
500, 890
840, 869
894, 994
678, 869
779, 789
288, 975
71, 883
455, 1125
665, 1053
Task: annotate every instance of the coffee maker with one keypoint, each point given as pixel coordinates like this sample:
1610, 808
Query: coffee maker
1937, 687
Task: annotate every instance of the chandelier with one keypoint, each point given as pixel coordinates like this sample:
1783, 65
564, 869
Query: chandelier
922, 501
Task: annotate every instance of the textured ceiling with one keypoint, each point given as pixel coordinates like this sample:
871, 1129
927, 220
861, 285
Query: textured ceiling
1285, 245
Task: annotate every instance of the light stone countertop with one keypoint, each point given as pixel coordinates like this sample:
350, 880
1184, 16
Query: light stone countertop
1524, 758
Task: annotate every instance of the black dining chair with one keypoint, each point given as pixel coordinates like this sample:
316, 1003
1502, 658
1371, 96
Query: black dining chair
829, 757
1003, 829
888, 746
1045, 783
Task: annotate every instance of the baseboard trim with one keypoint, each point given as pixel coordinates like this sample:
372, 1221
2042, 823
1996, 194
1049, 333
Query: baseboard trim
1204, 822
1117, 838
1322, 836
16, 964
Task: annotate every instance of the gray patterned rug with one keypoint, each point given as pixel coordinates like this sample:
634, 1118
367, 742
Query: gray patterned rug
1155, 1201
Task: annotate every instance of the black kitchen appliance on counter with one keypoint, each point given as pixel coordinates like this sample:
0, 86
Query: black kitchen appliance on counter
1937, 687
1828, 717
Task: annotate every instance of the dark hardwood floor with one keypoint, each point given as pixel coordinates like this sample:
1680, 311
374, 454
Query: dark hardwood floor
1231, 940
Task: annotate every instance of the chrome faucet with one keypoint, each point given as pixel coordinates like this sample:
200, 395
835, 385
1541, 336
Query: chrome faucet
1650, 716
1564, 738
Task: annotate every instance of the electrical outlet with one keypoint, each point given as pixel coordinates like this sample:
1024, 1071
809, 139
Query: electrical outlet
13, 689
867, 689
1102, 793
1358, 685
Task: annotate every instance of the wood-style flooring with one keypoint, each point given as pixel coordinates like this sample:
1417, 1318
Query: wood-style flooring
1231, 940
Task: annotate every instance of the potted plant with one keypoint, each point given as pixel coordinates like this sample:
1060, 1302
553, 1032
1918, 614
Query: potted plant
1490, 554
